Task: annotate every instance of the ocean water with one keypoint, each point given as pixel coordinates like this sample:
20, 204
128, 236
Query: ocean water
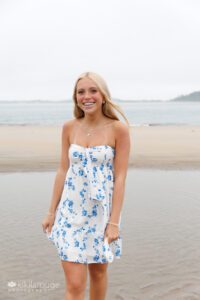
137, 112
160, 231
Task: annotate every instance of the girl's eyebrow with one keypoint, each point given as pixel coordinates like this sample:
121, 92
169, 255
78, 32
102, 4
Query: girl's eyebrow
92, 87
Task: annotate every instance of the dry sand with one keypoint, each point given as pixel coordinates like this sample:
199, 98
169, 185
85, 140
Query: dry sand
38, 148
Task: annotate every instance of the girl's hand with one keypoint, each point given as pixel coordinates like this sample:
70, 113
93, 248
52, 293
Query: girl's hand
111, 233
47, 223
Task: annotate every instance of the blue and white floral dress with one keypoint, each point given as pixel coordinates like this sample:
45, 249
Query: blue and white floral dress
85, 206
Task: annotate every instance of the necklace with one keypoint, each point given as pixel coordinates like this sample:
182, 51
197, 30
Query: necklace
88, 133
93, 130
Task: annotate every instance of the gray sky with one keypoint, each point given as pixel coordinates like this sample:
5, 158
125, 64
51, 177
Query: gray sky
144, 49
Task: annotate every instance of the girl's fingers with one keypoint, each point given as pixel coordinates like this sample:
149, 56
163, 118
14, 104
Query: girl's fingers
110, 236
49, 228
43, 227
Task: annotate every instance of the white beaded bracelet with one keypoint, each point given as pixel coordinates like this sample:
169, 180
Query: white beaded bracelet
115, 224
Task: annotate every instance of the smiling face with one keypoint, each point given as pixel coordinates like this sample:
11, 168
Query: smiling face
88, 96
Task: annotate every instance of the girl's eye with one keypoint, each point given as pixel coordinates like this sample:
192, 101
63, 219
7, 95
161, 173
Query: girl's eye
81, 92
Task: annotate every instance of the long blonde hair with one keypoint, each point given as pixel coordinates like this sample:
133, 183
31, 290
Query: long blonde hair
108, 108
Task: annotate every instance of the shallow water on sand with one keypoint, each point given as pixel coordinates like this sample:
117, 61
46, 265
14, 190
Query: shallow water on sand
160, 230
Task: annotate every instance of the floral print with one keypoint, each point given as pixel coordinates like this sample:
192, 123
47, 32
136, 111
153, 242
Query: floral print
85, 206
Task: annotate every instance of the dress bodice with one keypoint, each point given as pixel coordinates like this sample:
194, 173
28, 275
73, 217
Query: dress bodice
95, 165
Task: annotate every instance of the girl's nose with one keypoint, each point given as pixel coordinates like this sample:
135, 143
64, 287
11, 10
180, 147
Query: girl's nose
87, 95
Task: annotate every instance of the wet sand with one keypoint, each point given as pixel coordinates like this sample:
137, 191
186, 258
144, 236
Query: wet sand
38, 148
160, 231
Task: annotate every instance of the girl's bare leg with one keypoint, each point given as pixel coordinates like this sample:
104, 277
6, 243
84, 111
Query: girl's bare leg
98, 281
76, 278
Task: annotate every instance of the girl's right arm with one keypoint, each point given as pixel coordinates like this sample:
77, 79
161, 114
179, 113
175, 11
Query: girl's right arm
59, 179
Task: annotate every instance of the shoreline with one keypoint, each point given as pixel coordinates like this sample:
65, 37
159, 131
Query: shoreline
32, 148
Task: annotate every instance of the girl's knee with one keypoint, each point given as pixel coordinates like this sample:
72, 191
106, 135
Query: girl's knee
76, 286
98, 272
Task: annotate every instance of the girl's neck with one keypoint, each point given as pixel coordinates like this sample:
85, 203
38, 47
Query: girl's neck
93, 120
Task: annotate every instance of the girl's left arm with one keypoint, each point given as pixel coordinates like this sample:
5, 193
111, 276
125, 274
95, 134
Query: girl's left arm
122, 146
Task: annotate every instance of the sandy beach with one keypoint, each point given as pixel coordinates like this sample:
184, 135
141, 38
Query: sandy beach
37, 148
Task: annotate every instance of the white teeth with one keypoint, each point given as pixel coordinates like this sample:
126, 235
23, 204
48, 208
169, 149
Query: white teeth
88, 103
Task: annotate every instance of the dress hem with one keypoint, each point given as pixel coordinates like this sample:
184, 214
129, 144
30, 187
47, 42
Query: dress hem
89, 262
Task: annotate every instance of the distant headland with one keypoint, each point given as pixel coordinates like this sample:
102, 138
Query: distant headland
195, 96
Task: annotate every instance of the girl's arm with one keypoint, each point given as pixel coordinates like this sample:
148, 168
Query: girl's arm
62, 169
122, 147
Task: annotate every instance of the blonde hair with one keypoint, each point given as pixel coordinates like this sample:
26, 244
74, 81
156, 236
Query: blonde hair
108, 108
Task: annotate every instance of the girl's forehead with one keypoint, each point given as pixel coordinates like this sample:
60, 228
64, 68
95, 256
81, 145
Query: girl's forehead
85, 83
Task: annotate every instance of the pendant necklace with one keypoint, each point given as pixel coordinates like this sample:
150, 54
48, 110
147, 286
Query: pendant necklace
89, 133
93, 130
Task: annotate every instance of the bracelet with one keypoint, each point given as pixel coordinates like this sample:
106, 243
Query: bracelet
50, 214
115, 224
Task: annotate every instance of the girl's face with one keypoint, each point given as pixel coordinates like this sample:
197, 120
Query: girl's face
88, 96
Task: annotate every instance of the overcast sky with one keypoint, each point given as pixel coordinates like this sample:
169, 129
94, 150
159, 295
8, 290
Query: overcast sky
144, 49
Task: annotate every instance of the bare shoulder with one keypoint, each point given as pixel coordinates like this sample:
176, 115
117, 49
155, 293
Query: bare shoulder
120, 129
68, 125
67, 128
